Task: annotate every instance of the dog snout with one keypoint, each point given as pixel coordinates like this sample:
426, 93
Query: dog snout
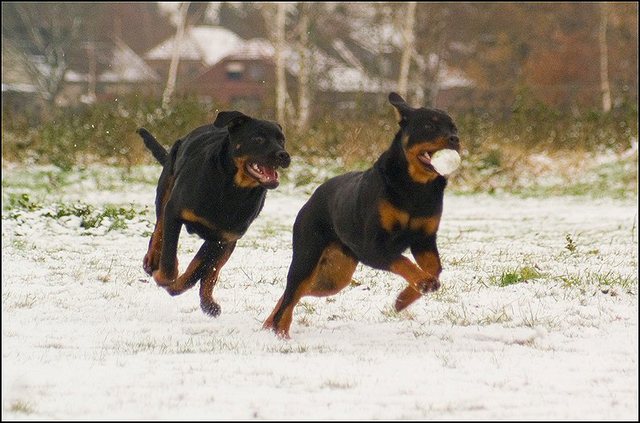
284, 158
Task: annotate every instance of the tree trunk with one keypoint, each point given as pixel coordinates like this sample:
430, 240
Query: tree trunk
281, 82
408, 38
175, 56
303, 75
604, 59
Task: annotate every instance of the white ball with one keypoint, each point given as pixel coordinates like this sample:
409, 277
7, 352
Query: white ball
445, 161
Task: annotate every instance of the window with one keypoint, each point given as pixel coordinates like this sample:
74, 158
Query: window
235, 71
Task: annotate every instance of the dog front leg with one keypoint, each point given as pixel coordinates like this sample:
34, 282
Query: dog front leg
420, 282
208, 281
196, 269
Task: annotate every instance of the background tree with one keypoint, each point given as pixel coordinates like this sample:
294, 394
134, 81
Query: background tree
44, 35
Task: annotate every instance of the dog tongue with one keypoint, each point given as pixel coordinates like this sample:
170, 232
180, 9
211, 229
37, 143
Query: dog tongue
268, 173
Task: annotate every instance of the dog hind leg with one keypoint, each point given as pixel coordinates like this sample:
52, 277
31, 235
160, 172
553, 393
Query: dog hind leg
330, 273
163, 192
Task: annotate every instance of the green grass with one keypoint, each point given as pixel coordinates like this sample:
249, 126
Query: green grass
514, 276
115, 216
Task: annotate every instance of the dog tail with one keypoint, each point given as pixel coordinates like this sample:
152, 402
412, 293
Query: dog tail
158, 151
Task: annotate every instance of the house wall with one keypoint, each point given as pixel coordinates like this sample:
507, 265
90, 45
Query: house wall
236, 83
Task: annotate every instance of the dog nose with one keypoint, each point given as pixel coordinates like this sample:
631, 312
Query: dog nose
454, 140
284, 158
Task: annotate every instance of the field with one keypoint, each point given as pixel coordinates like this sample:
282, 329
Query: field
537, 317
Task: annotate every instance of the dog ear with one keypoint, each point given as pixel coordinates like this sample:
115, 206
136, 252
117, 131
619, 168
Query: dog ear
230, 119
401, 106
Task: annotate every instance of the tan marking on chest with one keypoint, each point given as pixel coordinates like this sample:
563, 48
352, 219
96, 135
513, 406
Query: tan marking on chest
428, 225
393, 218
189, 216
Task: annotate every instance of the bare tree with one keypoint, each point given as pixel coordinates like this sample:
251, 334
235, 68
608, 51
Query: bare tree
304, 101
408, 38
604, 58
280, 45
43, 36
175, 55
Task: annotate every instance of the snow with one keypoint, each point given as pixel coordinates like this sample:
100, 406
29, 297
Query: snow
206, 43
87, 335
127, 66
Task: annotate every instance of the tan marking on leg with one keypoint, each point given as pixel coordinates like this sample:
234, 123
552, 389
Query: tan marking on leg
186, 280
162, 279
414, 275
332, 274
268, 324
152, 257
208, 282
406, 297
429, 261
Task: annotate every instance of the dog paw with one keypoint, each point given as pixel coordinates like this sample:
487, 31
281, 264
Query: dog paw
148, 265
211, 308
429, 285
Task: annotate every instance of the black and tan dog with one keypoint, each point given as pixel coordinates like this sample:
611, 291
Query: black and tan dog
214, 181
373, 217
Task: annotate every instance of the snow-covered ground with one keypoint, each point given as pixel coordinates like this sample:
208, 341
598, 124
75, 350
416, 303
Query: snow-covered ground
87, 335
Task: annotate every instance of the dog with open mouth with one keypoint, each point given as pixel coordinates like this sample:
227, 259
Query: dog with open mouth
214, 182
372, 217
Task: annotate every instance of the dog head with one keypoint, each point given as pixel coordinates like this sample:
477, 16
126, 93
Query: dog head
423, 132
257, 149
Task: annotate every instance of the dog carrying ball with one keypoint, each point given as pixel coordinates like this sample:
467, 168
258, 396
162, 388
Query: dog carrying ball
445, 161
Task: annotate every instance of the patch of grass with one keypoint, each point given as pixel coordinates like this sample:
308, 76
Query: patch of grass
27, 302
308, 307
19, 406
522, 274
22, 202
288, 348
602, 280
390, 313
117, 216
570, 245
334, 384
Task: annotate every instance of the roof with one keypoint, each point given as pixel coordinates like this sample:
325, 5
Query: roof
256, 48
127, 66
208, 44
124, 66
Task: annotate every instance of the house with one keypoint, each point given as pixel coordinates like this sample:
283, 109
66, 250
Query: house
108, 70
242, 79
200, 48
217, 66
